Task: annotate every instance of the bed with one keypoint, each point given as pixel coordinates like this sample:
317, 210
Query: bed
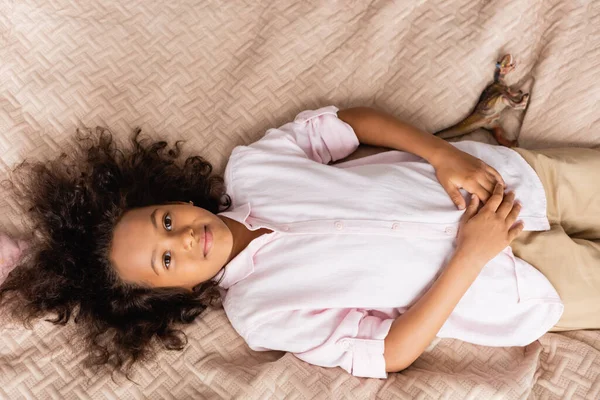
218, 74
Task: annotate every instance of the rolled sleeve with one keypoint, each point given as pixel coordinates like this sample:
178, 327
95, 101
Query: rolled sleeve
352, 339
323, 136
367, 354
315, 134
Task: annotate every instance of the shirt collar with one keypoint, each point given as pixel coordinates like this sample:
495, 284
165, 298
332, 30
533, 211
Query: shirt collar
242, 264
239, 214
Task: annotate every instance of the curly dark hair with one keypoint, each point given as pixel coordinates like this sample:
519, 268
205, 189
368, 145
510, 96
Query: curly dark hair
73, 203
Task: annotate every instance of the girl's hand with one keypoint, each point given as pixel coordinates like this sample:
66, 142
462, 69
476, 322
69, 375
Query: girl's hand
484, 234
456, 169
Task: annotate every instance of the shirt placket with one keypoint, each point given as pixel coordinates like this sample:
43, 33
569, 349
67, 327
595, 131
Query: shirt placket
363, 227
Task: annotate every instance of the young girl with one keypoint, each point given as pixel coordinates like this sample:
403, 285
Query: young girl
358, 264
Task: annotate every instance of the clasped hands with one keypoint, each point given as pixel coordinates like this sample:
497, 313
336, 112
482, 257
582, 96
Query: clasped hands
456, 170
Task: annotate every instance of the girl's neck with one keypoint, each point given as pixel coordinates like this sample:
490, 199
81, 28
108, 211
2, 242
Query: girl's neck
242, 236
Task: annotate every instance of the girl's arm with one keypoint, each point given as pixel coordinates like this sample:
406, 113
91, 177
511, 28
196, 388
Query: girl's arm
482, 235
377, 128
413, 331
455, 169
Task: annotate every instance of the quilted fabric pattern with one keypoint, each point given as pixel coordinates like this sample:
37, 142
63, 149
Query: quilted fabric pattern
218, 74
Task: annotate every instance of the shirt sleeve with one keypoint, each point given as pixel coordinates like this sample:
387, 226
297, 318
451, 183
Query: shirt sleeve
352, 339
317, 134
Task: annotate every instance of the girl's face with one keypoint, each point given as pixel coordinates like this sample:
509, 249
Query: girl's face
170, 245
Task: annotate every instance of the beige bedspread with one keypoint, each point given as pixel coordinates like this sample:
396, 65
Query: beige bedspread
219, 73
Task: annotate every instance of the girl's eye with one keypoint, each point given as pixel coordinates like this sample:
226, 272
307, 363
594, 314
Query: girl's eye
167, 222
167, 259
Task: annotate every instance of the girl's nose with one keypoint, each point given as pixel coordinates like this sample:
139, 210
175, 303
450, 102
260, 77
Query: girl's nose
188, 239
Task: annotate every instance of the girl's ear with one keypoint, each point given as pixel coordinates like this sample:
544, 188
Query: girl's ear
10, 253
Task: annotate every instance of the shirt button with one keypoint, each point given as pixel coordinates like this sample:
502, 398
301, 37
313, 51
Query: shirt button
449, 230
339, 225
345, 344
396, 226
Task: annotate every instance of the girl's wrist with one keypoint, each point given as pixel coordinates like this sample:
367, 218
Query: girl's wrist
440, 152
468, 259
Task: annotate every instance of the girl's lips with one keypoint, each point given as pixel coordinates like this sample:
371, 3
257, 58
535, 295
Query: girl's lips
208, 240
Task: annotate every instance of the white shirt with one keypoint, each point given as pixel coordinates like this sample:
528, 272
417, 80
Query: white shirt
356, 244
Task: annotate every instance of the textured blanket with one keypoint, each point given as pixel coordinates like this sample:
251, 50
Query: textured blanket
218, 74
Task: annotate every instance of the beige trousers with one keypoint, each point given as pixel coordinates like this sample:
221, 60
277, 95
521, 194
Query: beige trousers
569, 253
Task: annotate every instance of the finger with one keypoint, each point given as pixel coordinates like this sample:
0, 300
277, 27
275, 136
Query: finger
513, 214
515, 231
482, 193
487, 181
455, 195
496, 175
506, 205
496, 199
471, 209
492, 178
